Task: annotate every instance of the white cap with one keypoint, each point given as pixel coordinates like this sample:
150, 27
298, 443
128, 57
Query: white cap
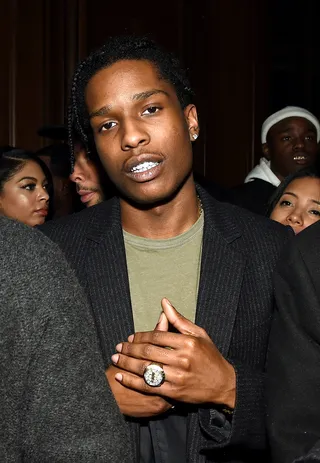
288, 111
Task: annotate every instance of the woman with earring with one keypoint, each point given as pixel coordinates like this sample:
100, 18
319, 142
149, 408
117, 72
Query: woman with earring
25, 185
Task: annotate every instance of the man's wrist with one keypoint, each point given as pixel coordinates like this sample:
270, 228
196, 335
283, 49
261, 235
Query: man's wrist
229, 397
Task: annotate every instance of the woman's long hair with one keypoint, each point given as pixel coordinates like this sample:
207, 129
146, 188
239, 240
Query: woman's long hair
13, 160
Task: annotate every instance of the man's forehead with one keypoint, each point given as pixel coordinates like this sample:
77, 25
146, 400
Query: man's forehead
121, 68
291, 123
127, 80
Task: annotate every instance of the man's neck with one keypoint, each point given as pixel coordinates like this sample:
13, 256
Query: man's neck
162, 221
277, 174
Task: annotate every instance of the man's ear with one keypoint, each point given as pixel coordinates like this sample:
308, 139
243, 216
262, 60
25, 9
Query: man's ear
265, 151
191, 115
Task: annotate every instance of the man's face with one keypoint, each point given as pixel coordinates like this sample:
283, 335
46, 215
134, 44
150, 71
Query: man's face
291, 145
141, 133
86, 177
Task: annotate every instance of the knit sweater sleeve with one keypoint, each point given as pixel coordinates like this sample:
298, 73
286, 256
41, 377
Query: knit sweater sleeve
55, 402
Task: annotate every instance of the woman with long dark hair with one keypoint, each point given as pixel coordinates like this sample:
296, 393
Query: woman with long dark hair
25, 186
296, 202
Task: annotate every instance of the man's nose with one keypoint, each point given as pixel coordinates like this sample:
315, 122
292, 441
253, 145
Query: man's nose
134, 134
76, 175
299, 143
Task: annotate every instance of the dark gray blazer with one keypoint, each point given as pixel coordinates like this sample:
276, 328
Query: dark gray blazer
294, 356
235, 304
55, 405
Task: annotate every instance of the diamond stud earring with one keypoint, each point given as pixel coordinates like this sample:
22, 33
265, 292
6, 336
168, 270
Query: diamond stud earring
195, 136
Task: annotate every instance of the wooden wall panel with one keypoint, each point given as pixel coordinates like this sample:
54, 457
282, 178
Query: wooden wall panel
230, 75
6, 49
220, 41
42, 44
28, 71
54, 63
120, 18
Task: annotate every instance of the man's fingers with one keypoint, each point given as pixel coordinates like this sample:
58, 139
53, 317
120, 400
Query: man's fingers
136, 367
163, 324
181, 324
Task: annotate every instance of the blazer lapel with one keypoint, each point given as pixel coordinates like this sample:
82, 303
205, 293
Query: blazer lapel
219, 289
107, 280
222, 270
107, 284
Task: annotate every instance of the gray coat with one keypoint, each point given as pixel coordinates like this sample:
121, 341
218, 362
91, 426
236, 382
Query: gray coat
55, 404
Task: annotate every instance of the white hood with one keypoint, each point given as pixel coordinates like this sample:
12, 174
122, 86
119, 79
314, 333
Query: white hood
263, 172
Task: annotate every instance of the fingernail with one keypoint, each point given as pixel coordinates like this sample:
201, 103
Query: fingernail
119, 347
115, 358
167, 300
131, 338
119, 377
160, 318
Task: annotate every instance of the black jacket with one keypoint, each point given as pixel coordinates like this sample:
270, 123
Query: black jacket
294, 355
253, 195
235, 306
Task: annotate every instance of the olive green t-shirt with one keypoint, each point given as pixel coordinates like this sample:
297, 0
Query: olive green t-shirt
163, 268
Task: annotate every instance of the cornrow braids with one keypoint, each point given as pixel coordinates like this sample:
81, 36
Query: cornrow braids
117, 49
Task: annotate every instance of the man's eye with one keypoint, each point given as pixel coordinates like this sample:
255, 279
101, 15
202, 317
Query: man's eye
286, 138
151, 110
107, 126
309, 137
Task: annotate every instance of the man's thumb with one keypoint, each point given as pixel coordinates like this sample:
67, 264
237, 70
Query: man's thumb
163, 324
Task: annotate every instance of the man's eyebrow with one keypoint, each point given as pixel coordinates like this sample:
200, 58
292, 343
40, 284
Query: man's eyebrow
148, 93
289, 128
138, 96
315, 201
100, 112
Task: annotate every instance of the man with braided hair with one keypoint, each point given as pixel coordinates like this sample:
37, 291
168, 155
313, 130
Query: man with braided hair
190, 384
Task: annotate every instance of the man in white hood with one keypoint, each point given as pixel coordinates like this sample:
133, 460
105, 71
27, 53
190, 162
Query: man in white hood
289, 140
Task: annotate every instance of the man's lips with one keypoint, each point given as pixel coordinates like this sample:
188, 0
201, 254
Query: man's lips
86, 195
145, 172
144, 167
135, 162
301, 158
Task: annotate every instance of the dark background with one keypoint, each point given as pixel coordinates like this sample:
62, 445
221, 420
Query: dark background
246, 59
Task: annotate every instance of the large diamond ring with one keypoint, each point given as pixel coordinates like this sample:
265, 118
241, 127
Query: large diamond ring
154, 375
